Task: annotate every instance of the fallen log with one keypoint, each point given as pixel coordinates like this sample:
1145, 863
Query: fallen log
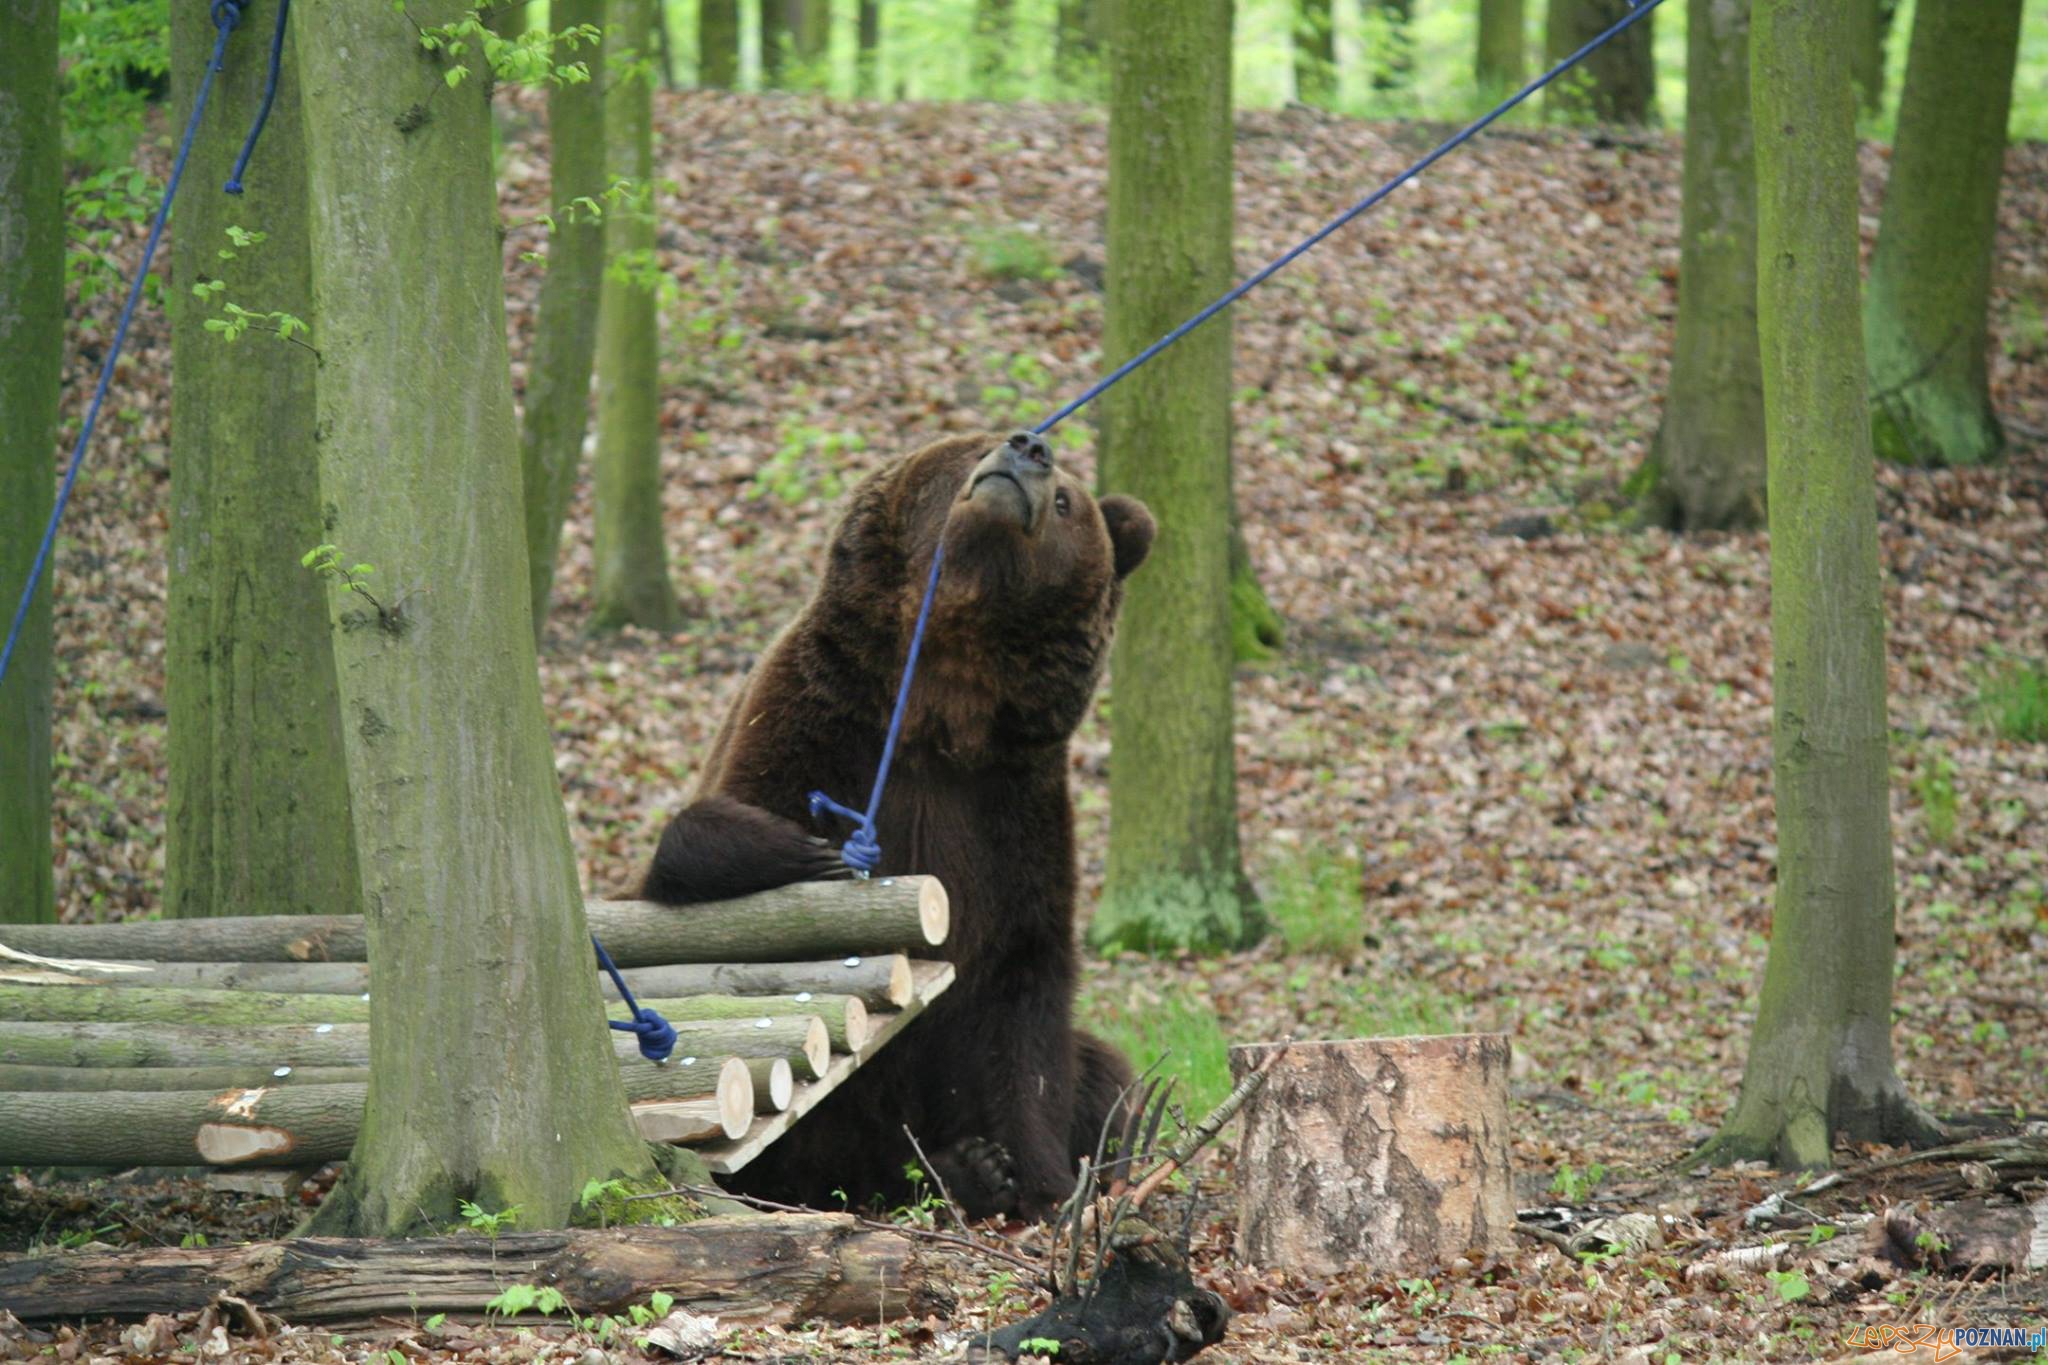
800, 922
881, 982
762, 1269
295, 1125
802, 1042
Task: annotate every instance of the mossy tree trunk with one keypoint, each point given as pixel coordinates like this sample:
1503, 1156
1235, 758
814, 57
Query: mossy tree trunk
259, 802
1617, 84
1870, 25
490, 1074
1706, 469
1820, 1058
1503, 59
31, 353
867, 58
1077, 46
775, 43
718, 44
508, 20
565, 336
1174, 872
1930, 280
632, 587
1315, 51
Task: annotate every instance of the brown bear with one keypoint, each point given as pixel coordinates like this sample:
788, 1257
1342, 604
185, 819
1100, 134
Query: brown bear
1002, 1092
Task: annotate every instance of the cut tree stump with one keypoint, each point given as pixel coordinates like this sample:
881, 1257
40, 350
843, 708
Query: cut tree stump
796, 923
758, 1268
1385, 1152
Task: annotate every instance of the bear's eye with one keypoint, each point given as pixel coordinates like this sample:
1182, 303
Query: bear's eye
1061, 503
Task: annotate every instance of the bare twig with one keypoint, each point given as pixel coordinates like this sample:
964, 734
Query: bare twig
1203, 1133
945, 1195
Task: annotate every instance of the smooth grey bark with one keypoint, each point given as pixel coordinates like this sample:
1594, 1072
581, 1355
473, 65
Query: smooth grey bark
1618, 83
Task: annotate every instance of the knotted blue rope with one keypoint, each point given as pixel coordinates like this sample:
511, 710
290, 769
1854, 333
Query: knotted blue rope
234, 185
863, 850
657, 1035
226, 14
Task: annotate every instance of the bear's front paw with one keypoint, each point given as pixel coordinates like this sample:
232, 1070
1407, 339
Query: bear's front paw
981, 1176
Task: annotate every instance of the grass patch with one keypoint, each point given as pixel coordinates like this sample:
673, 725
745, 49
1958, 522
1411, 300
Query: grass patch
1315, 901
1008, 253
1174, 914
1184, 1032
2013, 700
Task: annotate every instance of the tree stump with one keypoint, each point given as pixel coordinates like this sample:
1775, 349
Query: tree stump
1387, 1152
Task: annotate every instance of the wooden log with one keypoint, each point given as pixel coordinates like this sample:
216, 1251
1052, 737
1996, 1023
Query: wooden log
801, 922
757, 1268
846, 1019
880, 982
803, 1042
1386, 1152
84, 1003
269, 1125
725, 1113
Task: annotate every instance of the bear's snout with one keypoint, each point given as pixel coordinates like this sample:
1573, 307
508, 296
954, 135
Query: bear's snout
1030, 447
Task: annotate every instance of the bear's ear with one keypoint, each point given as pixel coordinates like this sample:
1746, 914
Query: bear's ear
1131, 529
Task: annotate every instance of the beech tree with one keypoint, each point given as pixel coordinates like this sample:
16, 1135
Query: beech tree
1077, 43
775, 42
1820, 1057
632, 586
31, 328
1928, 325
810, 31
1706, 468
718, 44
258, 819
565, 333
1870, 25
1617, 84
1174, 875
867, 70
1315, 52
491, 1074
995, 25
1503, 58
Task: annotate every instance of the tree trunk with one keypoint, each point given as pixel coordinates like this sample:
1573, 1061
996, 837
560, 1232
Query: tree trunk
632, 586
665, 44
1617, 84
1174, 874
1706, 469
1388, 42
250, 669
1503, 60
718, 44
1870, 24
1315, 51
995, 35
1077, 46
867, 61
476, 935
31, 357
1820, 1059
19, 1082
1390, 1152
792, 923
1930, 279
784, 1269
775, 42
565, 336
509, 20
810, 26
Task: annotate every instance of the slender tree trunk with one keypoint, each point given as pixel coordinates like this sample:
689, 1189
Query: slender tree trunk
665, 43
259, 801
632, 587
1706, 470
1930, 280
995, 30
1315, 51
868, 55
810, 27
507, 20
1389, 32
718, 44
565, 337
490, 1076
775, 43
1077, 44
1503, 60
1820, 1059
1174, 872
1870, 23
1617, 84
31, 355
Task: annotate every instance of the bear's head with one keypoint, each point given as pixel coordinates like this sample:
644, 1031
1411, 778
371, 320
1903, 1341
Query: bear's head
1027, 599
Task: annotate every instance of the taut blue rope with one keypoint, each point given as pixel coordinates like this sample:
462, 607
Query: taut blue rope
657, 1036
862, 851
226, 14
234, 185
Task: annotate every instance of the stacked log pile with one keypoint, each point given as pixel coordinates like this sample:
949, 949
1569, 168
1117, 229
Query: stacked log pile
245, 1041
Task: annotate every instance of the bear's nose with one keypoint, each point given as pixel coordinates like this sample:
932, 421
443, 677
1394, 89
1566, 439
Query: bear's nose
1031, 446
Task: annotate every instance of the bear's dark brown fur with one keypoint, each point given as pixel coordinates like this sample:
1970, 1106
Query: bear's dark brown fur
1001, 1090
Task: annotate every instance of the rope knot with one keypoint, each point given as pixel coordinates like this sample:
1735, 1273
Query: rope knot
226, 13
657, 1035
862, 851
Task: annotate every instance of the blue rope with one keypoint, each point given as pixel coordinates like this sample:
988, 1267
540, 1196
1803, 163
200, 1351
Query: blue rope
657, 1035
234, 185
226, 14
863, 851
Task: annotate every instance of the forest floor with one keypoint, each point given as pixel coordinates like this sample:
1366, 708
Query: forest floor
1511, 771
